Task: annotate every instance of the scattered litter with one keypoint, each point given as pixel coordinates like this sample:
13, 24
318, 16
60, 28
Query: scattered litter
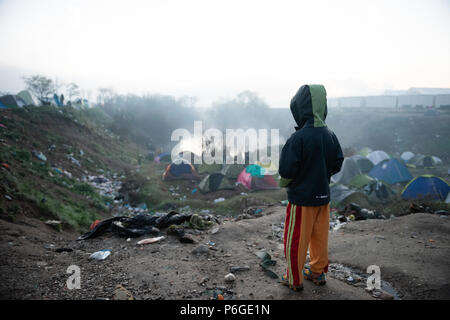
219, 200
211, 243
53, 222
238, 268
3, 126
266, 263
100, 255
230, 277
39, 155
215, 230
8, 197
194, 190
5, 165
151, 240
94, 224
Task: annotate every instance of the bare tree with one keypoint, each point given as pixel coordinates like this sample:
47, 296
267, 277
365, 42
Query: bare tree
39, 85
105, 94
72, 90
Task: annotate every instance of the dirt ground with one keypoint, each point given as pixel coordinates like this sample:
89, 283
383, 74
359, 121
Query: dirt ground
412, 251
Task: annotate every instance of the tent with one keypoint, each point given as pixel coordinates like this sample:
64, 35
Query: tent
209, 168
340, 195
215, 181
365, 151
364, 164
12, 101
26, 96
349, 169
254, 179
180, 169
407, 155
426, 161
232, 171
392, 171
269, 168
426, 186
56, 100
447, 200
360, 181
377, 156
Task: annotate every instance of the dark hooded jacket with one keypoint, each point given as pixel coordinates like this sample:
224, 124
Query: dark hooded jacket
312, 154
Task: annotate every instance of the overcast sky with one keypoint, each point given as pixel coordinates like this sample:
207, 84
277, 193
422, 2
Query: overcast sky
212, 49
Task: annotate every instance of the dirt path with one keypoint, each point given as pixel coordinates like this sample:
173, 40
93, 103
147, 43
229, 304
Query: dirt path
169, 269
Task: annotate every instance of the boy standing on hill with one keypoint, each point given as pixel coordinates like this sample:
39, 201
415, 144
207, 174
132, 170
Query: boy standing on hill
308, 160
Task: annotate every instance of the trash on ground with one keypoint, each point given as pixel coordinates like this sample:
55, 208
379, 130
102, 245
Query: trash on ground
230, 277
100, 255
219, 200
151, 240
39, 155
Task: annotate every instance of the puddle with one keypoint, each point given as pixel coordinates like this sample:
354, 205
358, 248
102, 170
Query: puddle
353, 276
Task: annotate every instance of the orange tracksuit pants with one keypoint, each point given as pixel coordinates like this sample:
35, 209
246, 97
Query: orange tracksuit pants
306, 227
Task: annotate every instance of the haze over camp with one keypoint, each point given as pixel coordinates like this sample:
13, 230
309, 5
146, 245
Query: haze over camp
206, 150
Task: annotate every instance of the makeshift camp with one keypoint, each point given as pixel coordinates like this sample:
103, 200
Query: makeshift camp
426, 186
163, 157
364, 164
407, 155
377, 156
56, 101
26, 96
340, 196
253, 178
180, 169
215, 181
349, 170
12, 101
392, 171
424, 161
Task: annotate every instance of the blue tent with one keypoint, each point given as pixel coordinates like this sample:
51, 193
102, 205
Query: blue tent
57, 101
426, 186
392, 171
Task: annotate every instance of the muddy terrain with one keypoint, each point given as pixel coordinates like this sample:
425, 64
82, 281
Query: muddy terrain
413, 253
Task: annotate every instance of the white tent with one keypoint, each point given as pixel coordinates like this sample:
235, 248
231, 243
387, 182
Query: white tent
377, 156
407, 155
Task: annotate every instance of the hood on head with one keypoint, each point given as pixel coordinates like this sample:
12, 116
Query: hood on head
309, 105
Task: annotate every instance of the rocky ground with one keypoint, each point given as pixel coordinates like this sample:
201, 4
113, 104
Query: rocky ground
412, 252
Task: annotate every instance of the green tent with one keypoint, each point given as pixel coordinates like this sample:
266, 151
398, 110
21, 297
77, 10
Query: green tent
215, 181
209, 168
341, 196
364, 164
26, 97
365, 151
232, 171
360, 181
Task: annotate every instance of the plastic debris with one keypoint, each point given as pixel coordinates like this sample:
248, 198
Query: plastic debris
151, 240
39, 155
100, 255
230, 277
8, 197
219, 200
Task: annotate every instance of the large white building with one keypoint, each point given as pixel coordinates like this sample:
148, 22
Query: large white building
411, 98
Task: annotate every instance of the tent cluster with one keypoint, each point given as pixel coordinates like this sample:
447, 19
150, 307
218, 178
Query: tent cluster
369, 176
24, 98
216, 177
